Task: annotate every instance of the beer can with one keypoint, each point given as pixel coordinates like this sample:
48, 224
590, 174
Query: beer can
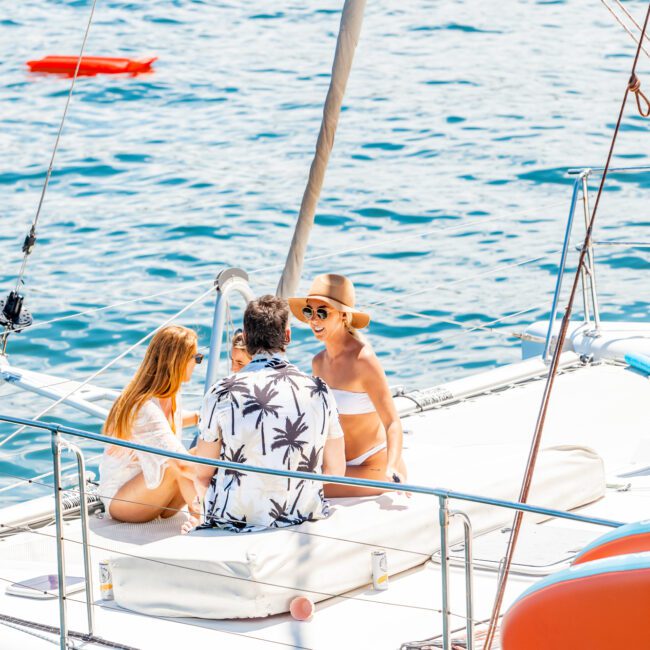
105, 581
379, 570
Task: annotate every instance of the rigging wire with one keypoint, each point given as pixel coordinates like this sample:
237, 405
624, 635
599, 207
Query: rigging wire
552, 372
105, 367
414, 234
620, 22
31, 237
435, 287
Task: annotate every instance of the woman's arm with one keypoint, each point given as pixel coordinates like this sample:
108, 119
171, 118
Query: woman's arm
190, 419
375, 384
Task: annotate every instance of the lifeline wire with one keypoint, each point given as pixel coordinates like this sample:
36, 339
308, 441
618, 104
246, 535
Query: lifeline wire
288, 529
32, 232
100, 641
109, 364
342, 596
375, 244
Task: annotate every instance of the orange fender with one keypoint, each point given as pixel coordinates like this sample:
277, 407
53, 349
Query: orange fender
597, 605
631, 538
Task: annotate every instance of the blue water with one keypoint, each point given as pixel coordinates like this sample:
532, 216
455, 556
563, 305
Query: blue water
459, 122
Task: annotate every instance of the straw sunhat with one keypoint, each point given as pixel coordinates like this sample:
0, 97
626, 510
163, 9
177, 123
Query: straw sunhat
335, 290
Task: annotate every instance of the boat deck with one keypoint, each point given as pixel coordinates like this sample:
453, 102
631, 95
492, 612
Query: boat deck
595, 406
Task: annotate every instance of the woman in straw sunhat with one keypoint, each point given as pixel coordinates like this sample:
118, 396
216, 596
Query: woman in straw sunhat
372, 428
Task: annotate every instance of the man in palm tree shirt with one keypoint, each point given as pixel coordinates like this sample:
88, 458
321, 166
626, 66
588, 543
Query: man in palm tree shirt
269, 414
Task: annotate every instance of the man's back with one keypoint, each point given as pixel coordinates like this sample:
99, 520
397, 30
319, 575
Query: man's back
270, 415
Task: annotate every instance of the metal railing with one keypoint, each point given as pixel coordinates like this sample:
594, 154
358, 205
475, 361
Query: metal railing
443, 497
591, 308
587, 273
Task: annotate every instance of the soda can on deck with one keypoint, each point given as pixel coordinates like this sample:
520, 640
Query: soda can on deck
379, 570
105, 581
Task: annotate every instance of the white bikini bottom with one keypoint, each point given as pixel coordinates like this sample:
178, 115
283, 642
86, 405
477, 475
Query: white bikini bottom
360, 460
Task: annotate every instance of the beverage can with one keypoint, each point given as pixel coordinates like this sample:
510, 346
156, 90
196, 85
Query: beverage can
105, 581
379, 570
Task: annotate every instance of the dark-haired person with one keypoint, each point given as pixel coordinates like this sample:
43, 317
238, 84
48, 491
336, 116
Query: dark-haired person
373, 431
239, 357
269, 414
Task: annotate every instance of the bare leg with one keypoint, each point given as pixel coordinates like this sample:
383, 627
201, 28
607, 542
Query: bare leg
134, 502
173, 506
373, 468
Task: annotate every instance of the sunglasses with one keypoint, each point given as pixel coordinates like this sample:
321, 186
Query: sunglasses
321, 313
198, 358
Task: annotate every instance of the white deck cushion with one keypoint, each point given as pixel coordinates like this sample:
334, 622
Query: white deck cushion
217, 574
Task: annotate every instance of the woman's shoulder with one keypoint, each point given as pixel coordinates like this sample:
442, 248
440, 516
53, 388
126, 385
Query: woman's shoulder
366, 362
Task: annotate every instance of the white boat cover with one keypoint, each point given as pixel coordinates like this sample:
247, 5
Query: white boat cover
216, 574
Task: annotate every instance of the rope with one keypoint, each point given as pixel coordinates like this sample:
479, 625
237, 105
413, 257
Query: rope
109, 364
16, 623
539, 427
30, 240
618, 20
634, 87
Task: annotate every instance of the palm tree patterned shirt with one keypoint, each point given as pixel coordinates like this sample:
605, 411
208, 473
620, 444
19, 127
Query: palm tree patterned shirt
270, 414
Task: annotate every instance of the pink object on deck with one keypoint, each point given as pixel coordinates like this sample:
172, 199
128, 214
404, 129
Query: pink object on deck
301, 608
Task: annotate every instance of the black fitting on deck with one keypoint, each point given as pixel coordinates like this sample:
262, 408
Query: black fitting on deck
13, 315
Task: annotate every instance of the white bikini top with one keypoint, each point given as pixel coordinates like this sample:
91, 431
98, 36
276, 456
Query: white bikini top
351, 403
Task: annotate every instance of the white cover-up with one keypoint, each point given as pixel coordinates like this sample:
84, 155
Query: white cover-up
150, 428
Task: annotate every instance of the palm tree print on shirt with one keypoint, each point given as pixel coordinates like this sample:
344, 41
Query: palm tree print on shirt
260, 402
309, 463
279, 514
319, 388
236, 456
229, 387
288, 437
284, 371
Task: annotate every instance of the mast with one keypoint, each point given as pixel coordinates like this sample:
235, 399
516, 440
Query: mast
349, 30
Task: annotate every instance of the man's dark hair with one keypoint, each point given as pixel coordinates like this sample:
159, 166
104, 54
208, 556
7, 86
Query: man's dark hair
265, 322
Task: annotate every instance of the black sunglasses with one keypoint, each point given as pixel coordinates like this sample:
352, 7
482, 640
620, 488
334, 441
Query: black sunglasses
322, 313
198, 357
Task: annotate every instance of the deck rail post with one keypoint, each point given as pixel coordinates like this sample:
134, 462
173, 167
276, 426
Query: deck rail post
60, 552
443, 517
560, 273
227, 281
590, 266
83, 507
469, 577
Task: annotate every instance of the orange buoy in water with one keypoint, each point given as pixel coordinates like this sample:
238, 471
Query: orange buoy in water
91, 65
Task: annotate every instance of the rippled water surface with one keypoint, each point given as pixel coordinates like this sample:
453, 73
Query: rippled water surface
445, 198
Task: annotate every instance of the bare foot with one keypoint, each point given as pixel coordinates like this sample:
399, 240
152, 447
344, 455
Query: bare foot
190, 524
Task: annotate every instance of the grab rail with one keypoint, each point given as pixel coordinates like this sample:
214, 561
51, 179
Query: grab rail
443, 494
